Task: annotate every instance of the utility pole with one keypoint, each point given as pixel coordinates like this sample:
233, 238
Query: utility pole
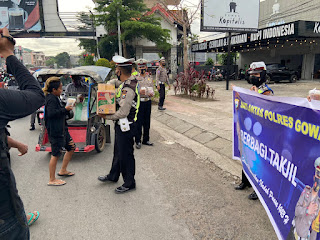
119, 32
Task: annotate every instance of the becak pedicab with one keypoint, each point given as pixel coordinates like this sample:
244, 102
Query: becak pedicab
88, 130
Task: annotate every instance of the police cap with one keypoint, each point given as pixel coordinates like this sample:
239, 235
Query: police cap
141, 62
257, 67
121, 61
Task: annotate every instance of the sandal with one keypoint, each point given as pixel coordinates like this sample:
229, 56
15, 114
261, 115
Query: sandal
68, 174
32, 220
58, 183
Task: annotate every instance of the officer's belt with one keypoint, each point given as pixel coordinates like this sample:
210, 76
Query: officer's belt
145, 99
119, 122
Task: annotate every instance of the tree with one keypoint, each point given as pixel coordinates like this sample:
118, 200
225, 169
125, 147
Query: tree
135, 24
223, 58
63, 60
89, 45
186, 14
88, 60
51, 61
209, 62
104, 63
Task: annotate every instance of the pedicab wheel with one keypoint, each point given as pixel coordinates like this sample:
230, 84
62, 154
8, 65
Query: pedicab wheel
100, 138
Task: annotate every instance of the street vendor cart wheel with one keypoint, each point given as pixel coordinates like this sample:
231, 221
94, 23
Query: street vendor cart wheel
100, 140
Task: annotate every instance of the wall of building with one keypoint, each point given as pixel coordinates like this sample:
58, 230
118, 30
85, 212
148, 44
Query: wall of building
275, 12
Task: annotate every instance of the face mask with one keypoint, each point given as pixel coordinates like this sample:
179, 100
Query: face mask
316, 188
119, 75
255, 81
163, 64
143, 71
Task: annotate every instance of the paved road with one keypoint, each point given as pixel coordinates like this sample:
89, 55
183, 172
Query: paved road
178, 196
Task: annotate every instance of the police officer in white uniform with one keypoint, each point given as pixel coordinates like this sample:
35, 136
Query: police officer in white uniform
144, 114
161, 80
127, 105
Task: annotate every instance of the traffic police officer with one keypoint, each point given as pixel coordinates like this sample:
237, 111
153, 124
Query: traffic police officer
307, 210
161, 79
144, 114
127, 105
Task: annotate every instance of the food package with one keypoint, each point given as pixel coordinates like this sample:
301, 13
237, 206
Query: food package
314, 94
106, 103
81, 111
71, 101
150, 91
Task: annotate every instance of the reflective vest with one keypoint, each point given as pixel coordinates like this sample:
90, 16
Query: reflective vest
133, 114
135, 73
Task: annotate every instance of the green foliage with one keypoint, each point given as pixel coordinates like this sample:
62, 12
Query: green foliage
51, 61
89, 45
104, 63
134, 24
108, 45
88, 61
63, 60
223, 58
209, 62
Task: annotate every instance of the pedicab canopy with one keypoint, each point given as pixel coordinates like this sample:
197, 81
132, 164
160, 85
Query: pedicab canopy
98, 73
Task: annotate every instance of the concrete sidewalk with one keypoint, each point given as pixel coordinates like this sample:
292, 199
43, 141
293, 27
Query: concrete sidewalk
205, 124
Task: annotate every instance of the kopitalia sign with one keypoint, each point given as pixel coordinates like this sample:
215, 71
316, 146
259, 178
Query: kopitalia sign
229, 15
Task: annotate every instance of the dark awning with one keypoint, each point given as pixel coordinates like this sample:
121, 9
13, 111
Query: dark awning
298, 31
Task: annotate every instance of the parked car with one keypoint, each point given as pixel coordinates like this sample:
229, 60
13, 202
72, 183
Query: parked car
277, 72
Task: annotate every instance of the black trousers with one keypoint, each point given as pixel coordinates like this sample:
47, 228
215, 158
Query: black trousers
123, 159
245, 180
144, 117
162, 93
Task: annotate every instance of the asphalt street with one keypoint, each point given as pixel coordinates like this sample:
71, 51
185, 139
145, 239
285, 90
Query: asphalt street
178, 196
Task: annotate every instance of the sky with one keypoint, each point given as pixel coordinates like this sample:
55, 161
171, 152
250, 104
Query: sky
53, 46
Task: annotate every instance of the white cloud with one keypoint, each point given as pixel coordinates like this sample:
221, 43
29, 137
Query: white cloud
50, 46
54, 46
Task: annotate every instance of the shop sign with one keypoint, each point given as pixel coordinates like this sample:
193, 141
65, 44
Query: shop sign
230, 15
273, 32
316, 27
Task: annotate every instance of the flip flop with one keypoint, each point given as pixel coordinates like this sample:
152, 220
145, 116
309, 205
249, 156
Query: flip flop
69, 174
31, 220
57, 184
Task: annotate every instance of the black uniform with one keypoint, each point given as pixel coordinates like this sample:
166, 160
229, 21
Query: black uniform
13, 105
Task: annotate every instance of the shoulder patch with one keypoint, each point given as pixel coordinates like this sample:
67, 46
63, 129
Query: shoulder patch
124, 94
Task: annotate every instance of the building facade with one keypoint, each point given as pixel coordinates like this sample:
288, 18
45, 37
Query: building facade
289, 34
169, 20
38, 59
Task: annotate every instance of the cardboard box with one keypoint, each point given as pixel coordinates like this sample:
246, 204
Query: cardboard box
106, 103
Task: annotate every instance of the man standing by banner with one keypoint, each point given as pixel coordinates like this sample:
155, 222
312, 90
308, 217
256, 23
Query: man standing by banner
307, 210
